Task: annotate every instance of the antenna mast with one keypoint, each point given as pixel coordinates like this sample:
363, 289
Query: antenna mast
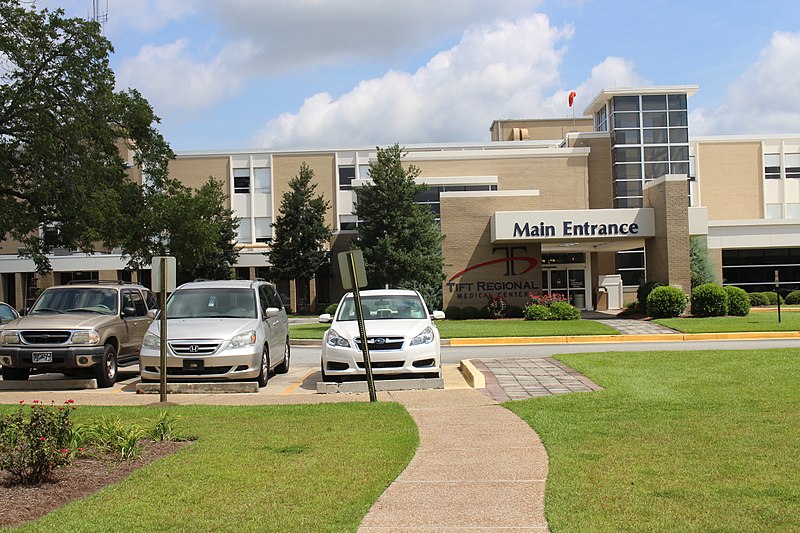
100, 13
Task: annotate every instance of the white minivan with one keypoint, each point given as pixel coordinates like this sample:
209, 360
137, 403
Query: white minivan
220, 330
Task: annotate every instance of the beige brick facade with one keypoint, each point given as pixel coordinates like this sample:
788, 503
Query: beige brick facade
731, 185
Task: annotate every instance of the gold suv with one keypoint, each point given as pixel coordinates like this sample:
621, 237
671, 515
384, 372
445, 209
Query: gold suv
80, 328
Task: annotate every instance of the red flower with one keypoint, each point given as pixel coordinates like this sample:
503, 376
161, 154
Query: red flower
80, 449
70, 401
42, 439
63, 450
35, 401
22, 401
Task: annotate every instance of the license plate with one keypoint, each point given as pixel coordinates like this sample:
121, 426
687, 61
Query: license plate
42, 357
193, 364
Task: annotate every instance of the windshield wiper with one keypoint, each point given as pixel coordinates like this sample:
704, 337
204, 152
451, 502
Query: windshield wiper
47, 310
84, 310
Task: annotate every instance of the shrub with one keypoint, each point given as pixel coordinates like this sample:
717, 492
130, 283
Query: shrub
515, 311
537, 312
709, 299
738, 301
331, 309
498, 306
564, 311
793, 298
34, 442
470, 313
485, 313
452, 312
644, 291
546, 299
666, 302
772, 297
757, 299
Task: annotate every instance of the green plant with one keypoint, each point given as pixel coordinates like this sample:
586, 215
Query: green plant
515, 311
738, 301
164, 428
644, 290
666, 302
757, 299
331, 309
35, 441
793, 298
772, 297
470, 313
115, 437
564, 311
498, 306
452, 312
537, 312
709, 299
485, 313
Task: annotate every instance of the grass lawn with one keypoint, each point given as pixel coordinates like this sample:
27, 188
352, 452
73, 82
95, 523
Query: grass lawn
677, 441
454, 329
755, 321
266, 468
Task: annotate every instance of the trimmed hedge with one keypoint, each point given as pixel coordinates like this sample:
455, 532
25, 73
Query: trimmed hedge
564, 311
644, 291
470, 313
793, 298
452, 312
515, 311
666, 302
772, 297
485, 313
757, 299
709, 299
331, 309
738, 301
537, 312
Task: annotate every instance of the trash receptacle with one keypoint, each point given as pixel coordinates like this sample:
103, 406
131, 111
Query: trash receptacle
602, 299
612, 283
579, 300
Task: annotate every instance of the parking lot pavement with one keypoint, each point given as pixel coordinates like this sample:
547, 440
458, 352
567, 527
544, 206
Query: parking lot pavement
299, 385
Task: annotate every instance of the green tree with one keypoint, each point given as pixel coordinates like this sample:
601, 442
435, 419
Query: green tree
300, 231
400, 239
700, 263
62, 127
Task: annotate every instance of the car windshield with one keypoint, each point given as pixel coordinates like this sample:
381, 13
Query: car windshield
395, 306
76, 300
212, 302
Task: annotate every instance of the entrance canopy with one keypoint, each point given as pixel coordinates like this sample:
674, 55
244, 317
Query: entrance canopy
587, 230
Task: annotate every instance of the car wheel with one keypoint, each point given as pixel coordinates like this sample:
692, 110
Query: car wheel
284, 366
263, 376
106, 371
325, 377
15, 374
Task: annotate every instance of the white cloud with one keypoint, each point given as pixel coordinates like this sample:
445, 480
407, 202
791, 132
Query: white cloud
169, 77
765, 98
497, 71
145, 15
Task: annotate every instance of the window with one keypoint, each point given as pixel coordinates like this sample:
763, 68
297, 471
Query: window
626, 137
241, 180
625, 103
627, 155
263, 229
626, 120
243, 234
792, 210
772, 166
346, 177
792, 164
348, 222
773, 211
654, 102
601, 120
263, 181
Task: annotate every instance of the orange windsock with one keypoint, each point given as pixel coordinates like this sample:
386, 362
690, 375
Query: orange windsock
572, 96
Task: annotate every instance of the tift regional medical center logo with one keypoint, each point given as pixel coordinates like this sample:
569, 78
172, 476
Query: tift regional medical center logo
516, 265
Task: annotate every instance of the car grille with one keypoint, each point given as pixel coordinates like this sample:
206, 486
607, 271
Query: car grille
209, 370
382, 364
381, 343
194, 347
45, 337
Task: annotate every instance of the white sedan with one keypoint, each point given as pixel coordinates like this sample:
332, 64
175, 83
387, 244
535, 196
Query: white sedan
401, 336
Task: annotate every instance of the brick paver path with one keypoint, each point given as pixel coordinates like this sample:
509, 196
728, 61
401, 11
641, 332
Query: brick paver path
636, 327
521, 378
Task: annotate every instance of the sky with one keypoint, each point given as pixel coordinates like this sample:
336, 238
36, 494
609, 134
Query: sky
283, 74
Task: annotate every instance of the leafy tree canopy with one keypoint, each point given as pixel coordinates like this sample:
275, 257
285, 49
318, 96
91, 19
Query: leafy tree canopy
62, 125
400, 239
300, 230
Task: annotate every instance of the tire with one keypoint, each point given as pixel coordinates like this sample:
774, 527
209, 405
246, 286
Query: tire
325, 377
263, 376
106, 371
287, 355
15, 374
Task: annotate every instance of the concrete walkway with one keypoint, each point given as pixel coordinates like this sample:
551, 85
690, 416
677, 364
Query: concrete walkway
479, 468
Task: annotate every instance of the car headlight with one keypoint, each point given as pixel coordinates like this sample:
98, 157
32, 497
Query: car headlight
9, 337
86, 337
426, 337
334, 339
151, 341
243, 339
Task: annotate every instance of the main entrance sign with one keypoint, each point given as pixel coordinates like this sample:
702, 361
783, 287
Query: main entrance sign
570, 225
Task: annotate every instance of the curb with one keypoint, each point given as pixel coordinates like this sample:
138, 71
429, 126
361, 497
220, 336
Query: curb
600, 339
472, 375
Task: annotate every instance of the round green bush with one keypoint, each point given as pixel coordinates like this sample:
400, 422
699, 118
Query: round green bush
709, 299
331, 309
772, 297
793, 298
515, 311
470, 313
452, 312
644, 291
738, 301
666, 302
564, 311
757, 299
537, 312
485, 313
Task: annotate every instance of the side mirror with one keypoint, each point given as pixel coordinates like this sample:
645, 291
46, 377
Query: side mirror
271, 312
438, 315
152, 313
128, 311
325, 318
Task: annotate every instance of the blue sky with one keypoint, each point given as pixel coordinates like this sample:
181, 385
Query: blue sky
338, 73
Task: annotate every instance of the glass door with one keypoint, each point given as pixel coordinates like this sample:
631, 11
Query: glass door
568, 282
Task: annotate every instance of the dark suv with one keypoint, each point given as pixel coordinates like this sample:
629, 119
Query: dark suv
78, 328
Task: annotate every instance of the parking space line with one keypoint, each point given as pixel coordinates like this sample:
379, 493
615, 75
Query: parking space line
291, 388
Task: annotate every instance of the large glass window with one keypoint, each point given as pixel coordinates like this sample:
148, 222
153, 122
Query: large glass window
754, 269
263, 180
626, 120
654, 102
792, 163
241, 180
243, 234
625, 103
263, 229
627, 155
346, 177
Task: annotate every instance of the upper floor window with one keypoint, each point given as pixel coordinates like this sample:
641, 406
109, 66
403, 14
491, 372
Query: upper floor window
262, 184
241, 180
792, 163
346, 177
772, 166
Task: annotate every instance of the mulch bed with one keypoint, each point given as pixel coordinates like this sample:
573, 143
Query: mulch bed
81, 478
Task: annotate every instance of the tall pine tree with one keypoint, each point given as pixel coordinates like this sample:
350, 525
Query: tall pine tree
400, 239
300, 231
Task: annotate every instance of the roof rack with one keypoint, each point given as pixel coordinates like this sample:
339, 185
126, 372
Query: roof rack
99, 282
